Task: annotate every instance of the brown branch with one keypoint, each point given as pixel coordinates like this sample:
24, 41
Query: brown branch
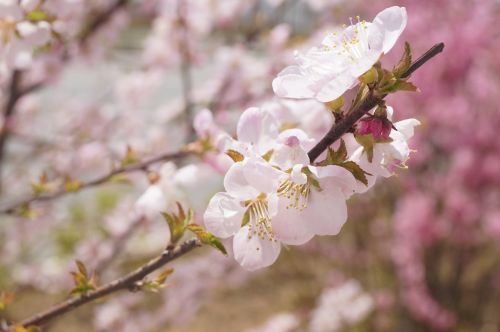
127, 282
14, 95
343, 126
98, 181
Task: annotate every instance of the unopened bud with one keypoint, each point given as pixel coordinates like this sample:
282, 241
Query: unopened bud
379, 128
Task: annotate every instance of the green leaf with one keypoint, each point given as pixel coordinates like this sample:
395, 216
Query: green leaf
370, 76
358, 173
83, 283
405, 62
37, 15
335, 157
362, 94
81, 267
71, 185
405, 86
130, 157
367, 142
336, 104
206, 237
235, 155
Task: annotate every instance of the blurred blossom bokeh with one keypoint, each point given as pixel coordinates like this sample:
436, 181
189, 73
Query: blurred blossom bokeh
419, 252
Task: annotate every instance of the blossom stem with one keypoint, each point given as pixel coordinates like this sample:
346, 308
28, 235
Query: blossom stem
127, 282
344, 125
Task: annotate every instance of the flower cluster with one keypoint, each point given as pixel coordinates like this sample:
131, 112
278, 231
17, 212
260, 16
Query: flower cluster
273, 194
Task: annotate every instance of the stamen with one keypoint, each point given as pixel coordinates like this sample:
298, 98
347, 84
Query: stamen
260, 222
298, 194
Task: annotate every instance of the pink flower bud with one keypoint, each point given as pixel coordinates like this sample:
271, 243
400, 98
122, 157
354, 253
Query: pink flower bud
379, 128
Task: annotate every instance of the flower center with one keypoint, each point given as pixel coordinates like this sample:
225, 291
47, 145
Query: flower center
298, 194
353, 42
259, 222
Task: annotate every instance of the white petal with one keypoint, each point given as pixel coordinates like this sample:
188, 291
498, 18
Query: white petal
252, 252
392, 21
291, 83
257, 127
336, 86
291, 225
344, 179
237, 185
262, 176
406, 127
224, 215
327, 209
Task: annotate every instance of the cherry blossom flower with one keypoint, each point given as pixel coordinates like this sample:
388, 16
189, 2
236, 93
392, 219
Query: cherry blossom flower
251, 193
279, 200
325, 73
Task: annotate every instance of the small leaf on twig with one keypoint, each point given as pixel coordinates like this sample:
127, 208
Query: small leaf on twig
206, 237
130, 157
71, 185
404, 63
156, 284
177, 222
83, 281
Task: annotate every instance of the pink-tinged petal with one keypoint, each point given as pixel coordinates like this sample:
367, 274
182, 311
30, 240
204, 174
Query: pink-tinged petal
292, 83
290, 225
406, 127
392, 21
285, 157
327, 209
224, 215
305, 141
262, 176
237, 185
257, 127
252, 252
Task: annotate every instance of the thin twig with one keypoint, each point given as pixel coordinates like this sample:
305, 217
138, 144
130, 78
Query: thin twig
98, 181
344, 125
127, 282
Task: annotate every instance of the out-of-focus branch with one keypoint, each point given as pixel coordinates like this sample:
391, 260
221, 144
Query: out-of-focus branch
344, 125
185, 67
118, 244
127, 282
13, 95
16, 91
143, 165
